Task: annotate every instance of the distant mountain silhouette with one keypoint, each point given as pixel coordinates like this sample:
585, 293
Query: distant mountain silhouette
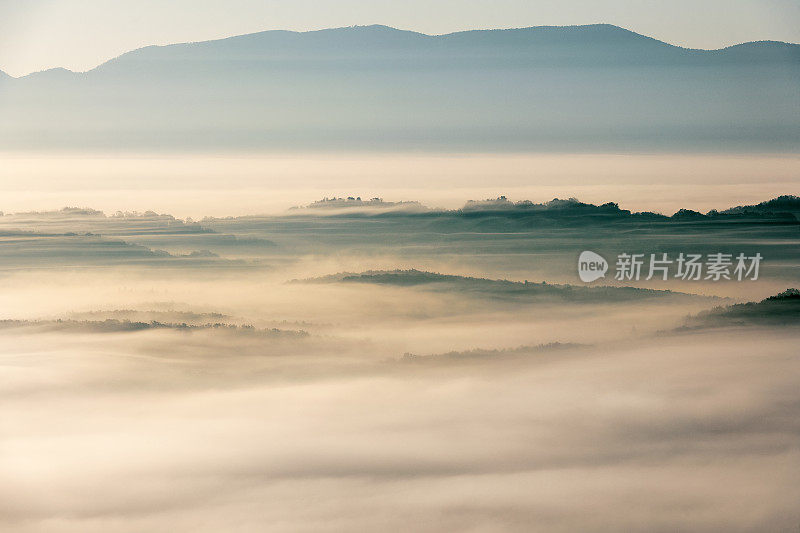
558, 45
595, 87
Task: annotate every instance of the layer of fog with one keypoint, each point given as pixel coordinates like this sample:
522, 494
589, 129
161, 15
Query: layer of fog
275, 249
626, 424
161, 431
230, 184
403, 318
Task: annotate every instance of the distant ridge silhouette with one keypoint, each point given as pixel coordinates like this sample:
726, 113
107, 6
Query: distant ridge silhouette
592, 34
596, 87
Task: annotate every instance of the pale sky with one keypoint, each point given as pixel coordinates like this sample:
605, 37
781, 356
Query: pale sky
80, 34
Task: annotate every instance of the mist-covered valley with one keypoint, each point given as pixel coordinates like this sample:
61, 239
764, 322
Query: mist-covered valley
365, 364
367, 266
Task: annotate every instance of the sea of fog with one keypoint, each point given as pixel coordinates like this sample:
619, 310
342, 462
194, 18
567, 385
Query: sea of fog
138, 400
363, 372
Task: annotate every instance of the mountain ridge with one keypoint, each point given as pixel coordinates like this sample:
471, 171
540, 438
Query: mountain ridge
592, 88
609, 28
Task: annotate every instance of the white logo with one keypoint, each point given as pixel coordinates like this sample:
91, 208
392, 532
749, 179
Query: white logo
591, 266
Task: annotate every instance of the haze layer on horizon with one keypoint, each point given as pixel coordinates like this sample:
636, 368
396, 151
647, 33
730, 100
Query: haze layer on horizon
219, 184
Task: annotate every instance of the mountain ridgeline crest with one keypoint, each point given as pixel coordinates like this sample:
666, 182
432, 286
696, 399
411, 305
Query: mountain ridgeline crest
597, 87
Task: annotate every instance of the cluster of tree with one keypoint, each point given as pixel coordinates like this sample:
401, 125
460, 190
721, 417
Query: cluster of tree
356, 201
780, 309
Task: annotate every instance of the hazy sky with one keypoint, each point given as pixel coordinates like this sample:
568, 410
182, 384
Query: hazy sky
79, 34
